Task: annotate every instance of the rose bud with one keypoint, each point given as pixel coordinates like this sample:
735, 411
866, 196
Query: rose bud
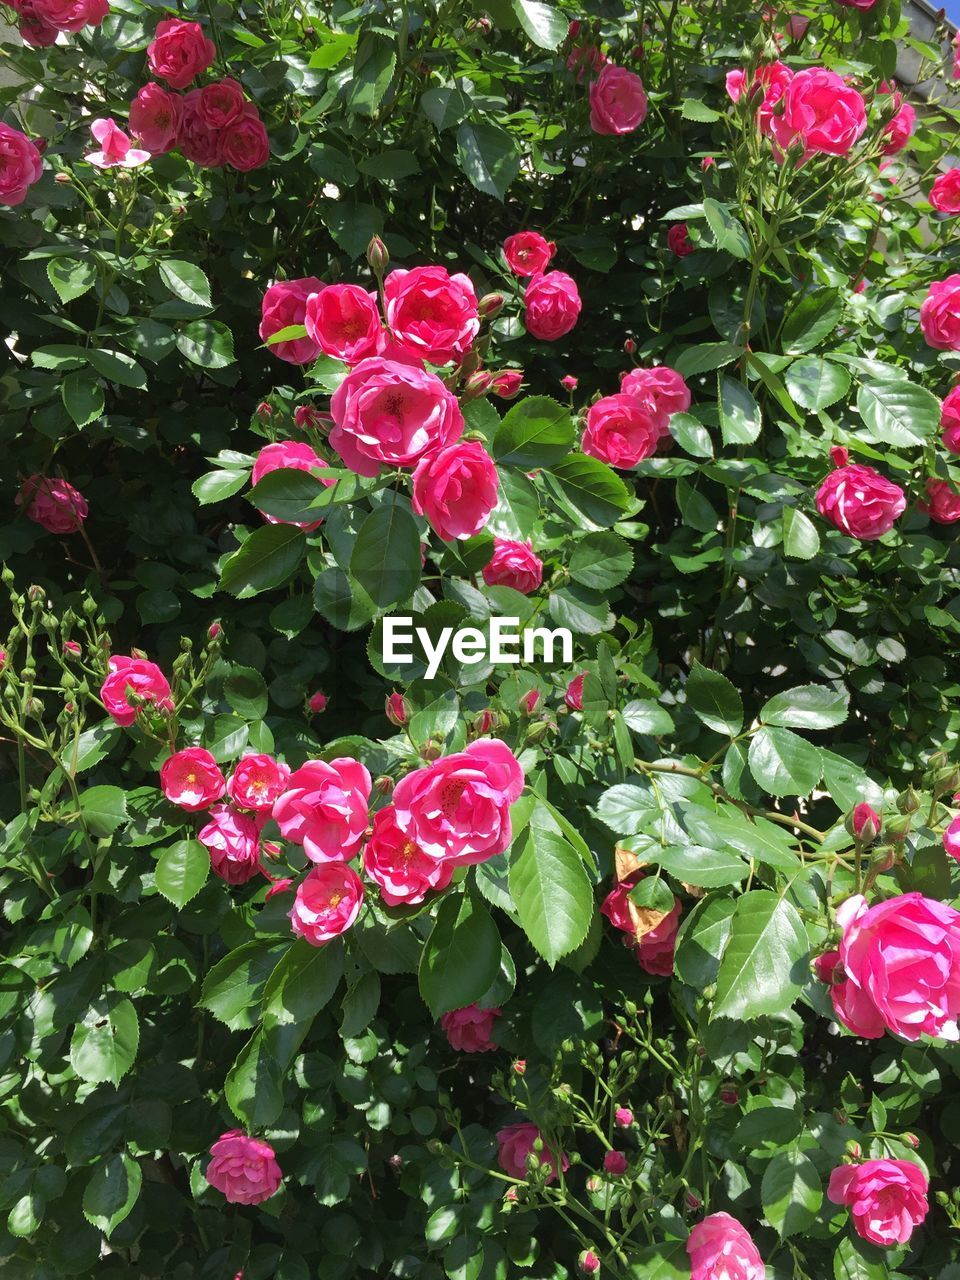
530, 701
588, 1263
569, 382
477, 385
865, 823
397, 709
383, 785
264, 410
377, 256
318, 702
729, 1095
629, 346
623, 1117
490, 306
214, 630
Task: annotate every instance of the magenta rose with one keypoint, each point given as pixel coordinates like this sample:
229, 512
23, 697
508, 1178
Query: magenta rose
433, 315
516, 1142
456, 489
192, 779
246, 143
221, 104
244, 1169
317, 702
615, 1163
324, 808
458, 808
661, 391
858, 4
679, 242
179, 51
256, 782
137, 677
70, 15
527, 253
623, 1118
942, 503
655, 949
344, 321
391, 413
860, 502
901, 968
720, 1248
199, 143
53, 504
232, 839
284, 305
288, 455
573, 696
551, 305
514, 564
507, 383
33, 30
618, 103
20, 165
768, 85
155, 115
940, 314
951, 839
887, 1199
469, 1029
620, 430
945, 192
822, 112
327, 902
400, 869
900, 129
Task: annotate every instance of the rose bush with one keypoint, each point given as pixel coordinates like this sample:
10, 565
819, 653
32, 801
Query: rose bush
638, 323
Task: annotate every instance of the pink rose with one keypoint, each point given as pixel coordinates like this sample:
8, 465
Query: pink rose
232, 839
615, 1163
940, 314
656, 948
179, 51
951, 839
769, 84
943, 502
945, 192
469, 1029
530, 702
620, 430
506, 384
288, 455
719, 1248
344, 321
887, 1199
822, 112
432, 314
53, 504
198, 143
317, 702
192, 779
515, 1144
116, 149
569, 383
552, 305
860, 502
574, 694
458, 808
155, 115
857, 4
221, 104
70, 15
950, 419
618, 103
514, 564
397, 709
134, 676
33, 30
456, 489
660, 390
246, 143
244, 1169
391, 413
327, 902
623, 1118
20, 165
256, 782
401, 870
284, 305
866, 822
899, 130
679, 242
324, 808
528, 253
901, 959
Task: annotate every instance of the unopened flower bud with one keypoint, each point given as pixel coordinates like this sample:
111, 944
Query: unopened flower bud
309, 418
485, 721
864, 823
397, 709
378, 256
33, 707
507, 383
477, 385
629, 346
519, 1067
530, 701
214, 631
884, 859
431, 751
623, 1117
569, 382
692, 1201
62, 178
910, 1139
490, 306
540, 730
36, 594
383, 785
71, 649
264, 410
588, 1263
853, 1149
908, 801
729, 1095
318, 702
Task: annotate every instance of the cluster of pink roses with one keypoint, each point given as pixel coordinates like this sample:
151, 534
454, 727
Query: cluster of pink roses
52, 503
655, 947
863, 504
625, 428
41, 21
20, 165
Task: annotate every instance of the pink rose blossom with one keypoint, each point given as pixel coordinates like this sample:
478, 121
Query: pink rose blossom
940, 314
67, 15
661, 391
552, 305
900, 129
858, 4
53, 504
618, 102
860, 502
221, 104
515, 1144
288, 455
20, 165
507, 383
232, 839
134, 676
528, 253
244, 1169
116, 150
246, 143
679, 242
514, 564
574, 694
327, 903
317, 702
951, 839
622, 431
285, 305
458, 808
469, 1029
33, 30
155, 115
768, 85
623, 1118
344, 321
720, 1248
192, 779
945, 192
432, 314
257, 782
615, 1163
887, 1199
197, 142
655, 949
950, 420
388, 413
569, 382
456, 489
179, 51
942, 503
401, 870
821, 112
324, 808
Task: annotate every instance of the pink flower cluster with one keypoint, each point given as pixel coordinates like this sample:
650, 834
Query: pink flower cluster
41, 21
814, 109
655, 948
625, 428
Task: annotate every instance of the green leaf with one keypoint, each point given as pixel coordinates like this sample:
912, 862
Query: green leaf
182, 871
545, 26
373, 70
714, 700
254, 1084
740, 418
552, 893
706, 356
246, 691
267, 559
701, 940
342, 601
217, 485
783, 763
764, 963
694, 109
186, 282
391, 165
601, 561
814, 318
791, 1192
445, 108
207, 343
850, 1262
117, 366
646, 716
82, 397
692, 436
728, 231
104, 1044
696, 864
103, 809
815, 383
70, 277
303, 981
461, 957
534, 433
808, 706
801, 541
386, 555
488, 156
899, 412
234, 986
593, 488
112, 1192
360, 1003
